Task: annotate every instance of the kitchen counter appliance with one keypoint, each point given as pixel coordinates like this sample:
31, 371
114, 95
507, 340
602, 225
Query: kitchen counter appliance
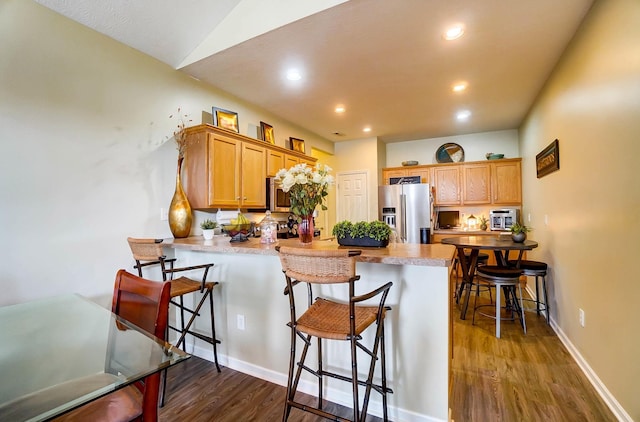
503, 219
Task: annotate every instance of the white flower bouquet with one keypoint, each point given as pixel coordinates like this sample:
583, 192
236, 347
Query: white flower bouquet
307, 186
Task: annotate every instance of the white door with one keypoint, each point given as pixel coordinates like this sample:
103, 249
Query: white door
352, 199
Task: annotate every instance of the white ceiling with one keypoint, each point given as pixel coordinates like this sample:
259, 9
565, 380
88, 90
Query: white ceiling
385, 61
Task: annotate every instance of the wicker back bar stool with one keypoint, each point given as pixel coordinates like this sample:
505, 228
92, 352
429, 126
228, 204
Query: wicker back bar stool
326, 319
505, 279
538, 270
148, 252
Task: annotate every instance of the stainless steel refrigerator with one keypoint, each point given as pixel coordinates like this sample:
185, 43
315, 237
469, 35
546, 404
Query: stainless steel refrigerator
407, 208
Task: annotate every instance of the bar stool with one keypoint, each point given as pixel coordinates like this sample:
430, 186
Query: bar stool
538, 270
505, 279
483, 259
327, 319
148, 252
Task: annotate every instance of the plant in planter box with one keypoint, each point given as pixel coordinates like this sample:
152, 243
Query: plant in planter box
362, 233
519, 232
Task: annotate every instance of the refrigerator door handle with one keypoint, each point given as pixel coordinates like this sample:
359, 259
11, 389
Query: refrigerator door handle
403, 216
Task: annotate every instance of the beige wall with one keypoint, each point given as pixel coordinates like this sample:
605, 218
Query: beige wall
475, 146
591, 104
86, 162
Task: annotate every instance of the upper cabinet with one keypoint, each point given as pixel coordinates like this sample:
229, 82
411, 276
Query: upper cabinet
506, 182
422, 171
446, 180
224, 169
494, 182
476, 184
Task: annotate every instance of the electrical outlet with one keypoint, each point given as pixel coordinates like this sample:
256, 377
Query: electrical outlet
240, 321
546, 220
164, 216
581, 317
529, 217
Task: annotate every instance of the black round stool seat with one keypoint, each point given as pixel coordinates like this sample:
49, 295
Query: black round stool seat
500, 272
529, 265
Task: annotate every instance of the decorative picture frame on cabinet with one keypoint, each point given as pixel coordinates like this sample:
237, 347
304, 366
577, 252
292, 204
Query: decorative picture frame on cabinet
266, 131
297, 144
225, 119
548, 160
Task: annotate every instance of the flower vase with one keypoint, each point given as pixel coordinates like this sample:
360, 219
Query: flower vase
305, 228
180, 218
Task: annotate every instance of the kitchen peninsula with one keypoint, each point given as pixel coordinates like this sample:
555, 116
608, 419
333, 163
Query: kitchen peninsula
252, 312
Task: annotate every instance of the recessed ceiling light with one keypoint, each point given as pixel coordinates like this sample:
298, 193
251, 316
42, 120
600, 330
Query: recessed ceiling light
366, 129
340, 109
454, 32
463, 115
459, 87
294, 75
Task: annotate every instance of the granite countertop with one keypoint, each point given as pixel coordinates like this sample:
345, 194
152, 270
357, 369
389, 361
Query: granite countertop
433, 255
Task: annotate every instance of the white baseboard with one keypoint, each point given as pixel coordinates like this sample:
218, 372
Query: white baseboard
593, 378
331, 394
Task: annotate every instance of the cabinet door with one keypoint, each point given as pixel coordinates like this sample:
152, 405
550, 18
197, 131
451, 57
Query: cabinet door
475, 178
290, 161
422, 172
224, 171
275, 161
254, 171
447, 183
506, 183
388, 174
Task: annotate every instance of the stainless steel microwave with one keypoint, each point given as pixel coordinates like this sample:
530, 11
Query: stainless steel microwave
277, 199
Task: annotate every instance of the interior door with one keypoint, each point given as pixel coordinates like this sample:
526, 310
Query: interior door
352, 199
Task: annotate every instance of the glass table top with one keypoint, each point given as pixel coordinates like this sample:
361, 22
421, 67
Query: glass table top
61, 352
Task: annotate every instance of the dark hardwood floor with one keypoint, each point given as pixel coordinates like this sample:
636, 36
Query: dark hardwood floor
197, 393
515, 378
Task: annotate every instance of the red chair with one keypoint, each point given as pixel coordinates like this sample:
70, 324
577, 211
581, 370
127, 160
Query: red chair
144, 303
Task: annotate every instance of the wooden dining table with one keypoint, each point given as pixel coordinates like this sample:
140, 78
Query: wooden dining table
501, 245
59, 353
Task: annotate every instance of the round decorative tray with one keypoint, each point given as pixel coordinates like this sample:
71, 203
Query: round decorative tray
450, 153
409, 163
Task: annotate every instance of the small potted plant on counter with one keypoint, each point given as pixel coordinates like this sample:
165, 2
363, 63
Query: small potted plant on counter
519, 232
362, 233
208, 228
483, 223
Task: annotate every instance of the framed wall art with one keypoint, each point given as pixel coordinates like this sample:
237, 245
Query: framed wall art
297, 144
548, 160
266, 131
225, 119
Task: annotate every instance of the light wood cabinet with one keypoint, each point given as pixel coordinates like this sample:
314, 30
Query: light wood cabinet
275, 161
253, 189
476, 184
446, 180
233, 175
495, 182
224, 169
422, 171
506, 182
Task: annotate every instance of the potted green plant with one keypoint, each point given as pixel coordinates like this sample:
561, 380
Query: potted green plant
362, 233
208, 228
519, 232
483, 222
